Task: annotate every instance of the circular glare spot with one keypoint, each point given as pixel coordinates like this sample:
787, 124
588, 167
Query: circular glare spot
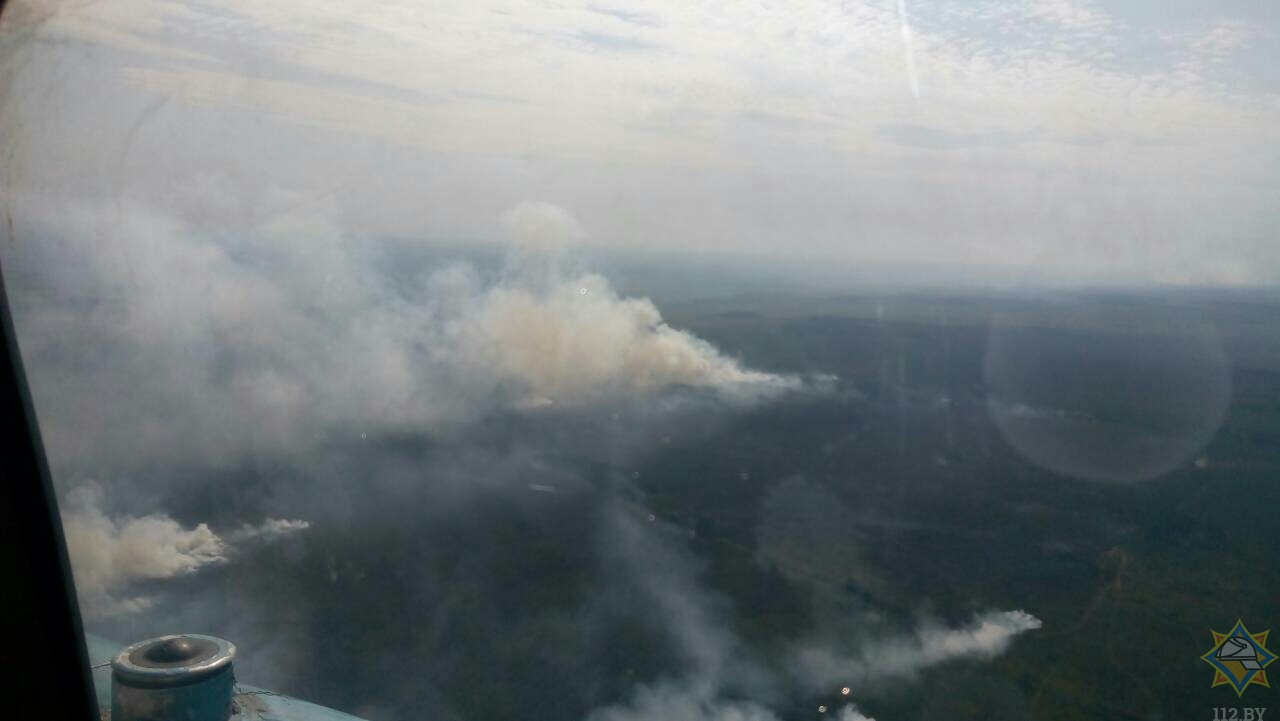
1105, 393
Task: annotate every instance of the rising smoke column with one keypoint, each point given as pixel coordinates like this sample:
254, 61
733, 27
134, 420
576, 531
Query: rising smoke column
271, 336
719, 673
988, 636
110, 555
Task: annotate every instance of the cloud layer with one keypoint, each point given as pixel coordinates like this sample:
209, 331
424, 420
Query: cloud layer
1066, 140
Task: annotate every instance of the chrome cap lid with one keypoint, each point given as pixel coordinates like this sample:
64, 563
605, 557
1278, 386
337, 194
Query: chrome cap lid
173, 660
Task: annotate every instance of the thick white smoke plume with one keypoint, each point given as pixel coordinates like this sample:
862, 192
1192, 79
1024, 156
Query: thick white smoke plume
268, 530
164, 342
110, 555
713, 690
569, 338
576, 340
278, 333
988, 636
675, 701
668, 579
851, 713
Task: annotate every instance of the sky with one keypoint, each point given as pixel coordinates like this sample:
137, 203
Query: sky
1122, 142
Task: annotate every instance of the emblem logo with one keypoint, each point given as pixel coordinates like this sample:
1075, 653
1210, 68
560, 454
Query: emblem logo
1239, 658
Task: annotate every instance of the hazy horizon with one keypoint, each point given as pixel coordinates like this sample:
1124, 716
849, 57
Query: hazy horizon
1072, 142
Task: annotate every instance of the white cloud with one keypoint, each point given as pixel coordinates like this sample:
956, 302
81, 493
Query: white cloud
737, 128
842, 62
1070, 14
1224, 38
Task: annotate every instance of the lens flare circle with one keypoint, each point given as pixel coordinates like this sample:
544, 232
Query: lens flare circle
1100, 393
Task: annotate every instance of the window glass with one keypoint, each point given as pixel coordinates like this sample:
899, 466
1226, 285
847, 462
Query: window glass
682, 360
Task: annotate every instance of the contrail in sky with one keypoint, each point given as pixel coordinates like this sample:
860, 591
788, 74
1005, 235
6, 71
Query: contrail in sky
906, 44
